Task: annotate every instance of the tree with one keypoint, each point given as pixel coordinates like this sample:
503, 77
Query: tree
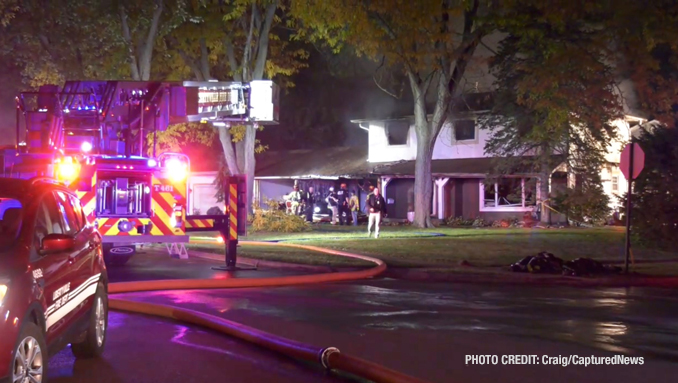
430, 42
655, 198
252, 39
51, 41
195, 48
140, 24
556, 91
559, 77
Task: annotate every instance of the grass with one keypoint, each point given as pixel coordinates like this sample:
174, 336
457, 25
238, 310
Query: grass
405, 246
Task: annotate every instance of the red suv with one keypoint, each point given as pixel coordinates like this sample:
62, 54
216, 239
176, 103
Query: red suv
53, 282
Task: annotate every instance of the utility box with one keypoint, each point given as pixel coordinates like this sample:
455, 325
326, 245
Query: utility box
264, 102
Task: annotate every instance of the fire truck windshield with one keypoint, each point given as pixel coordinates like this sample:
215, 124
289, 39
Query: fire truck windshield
10, 221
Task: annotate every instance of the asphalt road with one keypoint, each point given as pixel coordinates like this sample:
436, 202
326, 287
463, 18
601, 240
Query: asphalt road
422, 329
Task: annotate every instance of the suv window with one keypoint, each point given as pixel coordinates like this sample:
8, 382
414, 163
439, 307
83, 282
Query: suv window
10, 221
47, 221
77, 209
70, 221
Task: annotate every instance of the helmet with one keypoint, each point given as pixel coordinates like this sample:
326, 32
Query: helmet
331, 188
343, 186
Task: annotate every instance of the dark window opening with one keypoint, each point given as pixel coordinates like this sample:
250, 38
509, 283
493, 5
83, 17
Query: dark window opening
464, 130
397, 132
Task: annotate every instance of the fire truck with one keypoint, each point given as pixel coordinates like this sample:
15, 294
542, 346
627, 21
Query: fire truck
100, 138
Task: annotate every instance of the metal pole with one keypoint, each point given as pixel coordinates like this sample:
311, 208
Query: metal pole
18, 126
629, 206
141, 131
155, 132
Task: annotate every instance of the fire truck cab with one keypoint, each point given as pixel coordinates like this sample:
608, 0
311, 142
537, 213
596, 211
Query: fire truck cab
99, 138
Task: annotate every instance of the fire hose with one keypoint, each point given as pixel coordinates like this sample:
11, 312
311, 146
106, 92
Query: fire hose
329, 357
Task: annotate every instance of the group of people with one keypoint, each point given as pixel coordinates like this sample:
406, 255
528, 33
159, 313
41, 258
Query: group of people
341, 203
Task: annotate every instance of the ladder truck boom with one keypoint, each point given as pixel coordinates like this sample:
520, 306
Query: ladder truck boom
95, 136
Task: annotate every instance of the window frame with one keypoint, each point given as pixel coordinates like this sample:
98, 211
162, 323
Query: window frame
67, 206
407, 136
34, 252
468, 140
498, 208
615, 183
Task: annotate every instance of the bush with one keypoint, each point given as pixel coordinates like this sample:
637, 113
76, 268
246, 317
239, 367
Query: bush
272, 219
654, 217
588, 204
215, 210
458, 222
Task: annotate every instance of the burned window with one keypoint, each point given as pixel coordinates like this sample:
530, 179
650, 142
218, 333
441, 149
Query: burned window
510, 192
464, 130
397, 132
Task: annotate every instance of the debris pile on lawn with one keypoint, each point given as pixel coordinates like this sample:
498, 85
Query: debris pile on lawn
547, 263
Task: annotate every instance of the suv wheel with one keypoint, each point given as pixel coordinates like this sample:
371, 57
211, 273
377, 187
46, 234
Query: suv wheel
30, 355
95, 338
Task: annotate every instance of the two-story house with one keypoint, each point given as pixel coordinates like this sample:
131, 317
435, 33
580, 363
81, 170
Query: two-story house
460, 170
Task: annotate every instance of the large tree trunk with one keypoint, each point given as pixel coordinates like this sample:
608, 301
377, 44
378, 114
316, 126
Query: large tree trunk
423, 181
246, 154
423, 186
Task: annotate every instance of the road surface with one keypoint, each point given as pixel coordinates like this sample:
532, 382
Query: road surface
423, 329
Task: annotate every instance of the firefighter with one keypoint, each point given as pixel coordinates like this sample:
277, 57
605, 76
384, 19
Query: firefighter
293, 200
309, 199
354, 205
333, 203
377, 207
342, 196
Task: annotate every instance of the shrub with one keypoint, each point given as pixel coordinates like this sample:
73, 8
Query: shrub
458, 221
587, 204
272, 219
654, 217
215, 210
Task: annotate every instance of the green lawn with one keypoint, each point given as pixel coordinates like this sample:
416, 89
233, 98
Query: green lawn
405, 246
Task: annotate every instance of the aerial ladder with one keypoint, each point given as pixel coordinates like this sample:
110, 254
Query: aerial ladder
94, 137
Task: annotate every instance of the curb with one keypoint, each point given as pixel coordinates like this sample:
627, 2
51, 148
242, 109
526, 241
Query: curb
531, 279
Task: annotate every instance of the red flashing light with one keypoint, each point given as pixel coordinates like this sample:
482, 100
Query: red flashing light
117, 167
131, 167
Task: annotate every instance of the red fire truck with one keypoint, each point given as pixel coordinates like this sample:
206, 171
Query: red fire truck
96, 136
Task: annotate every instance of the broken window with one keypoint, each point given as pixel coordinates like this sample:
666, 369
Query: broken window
397, 132
510, 192
464, 130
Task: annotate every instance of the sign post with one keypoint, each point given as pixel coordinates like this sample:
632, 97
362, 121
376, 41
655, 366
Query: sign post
631, 164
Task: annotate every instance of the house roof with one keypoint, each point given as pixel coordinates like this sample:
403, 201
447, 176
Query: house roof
477, 167
332, 162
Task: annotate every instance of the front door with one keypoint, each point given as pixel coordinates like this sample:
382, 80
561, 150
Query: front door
51, 271
83, 284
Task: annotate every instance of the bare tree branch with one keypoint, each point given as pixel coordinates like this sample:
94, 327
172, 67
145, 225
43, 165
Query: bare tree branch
127, 37
262, 46
376, 82
247, 53
232, 61
204, 60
